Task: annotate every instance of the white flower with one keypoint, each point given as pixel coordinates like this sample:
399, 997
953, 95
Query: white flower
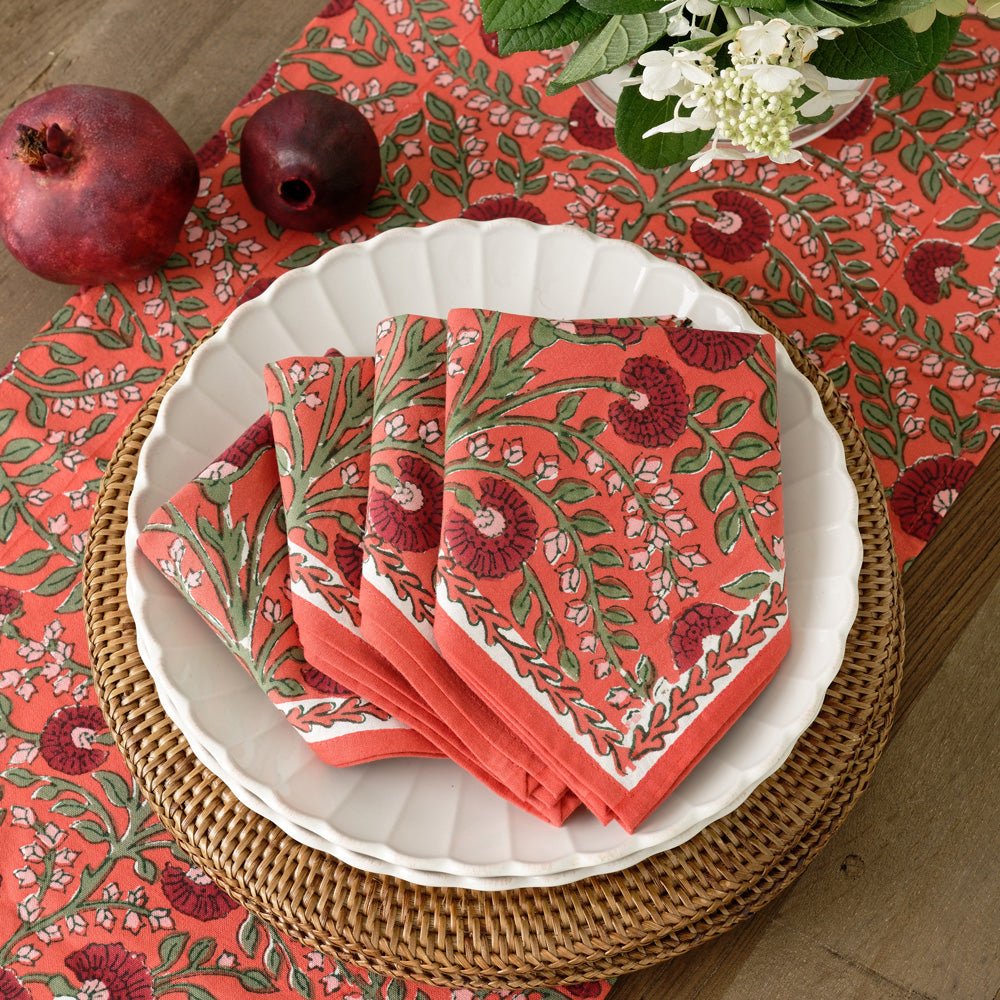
671, 73
762, 38
827, 92
772, 79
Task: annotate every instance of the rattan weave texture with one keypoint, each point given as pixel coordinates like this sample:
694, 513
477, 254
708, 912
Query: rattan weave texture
595, 928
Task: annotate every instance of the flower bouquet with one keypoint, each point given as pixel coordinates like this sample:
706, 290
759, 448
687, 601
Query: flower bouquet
719, 80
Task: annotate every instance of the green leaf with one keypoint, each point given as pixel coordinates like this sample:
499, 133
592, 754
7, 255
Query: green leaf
865, 359
748, 445
624, 640
568, 407
145, 869
201, 951
249, 936
731, 413
601, 555
932, 45
621, 40
114, 787
520, 604
715, 488
19, 450
564, 26
92, 832
612, 7
590, 522
30, 562
690, 460
20, 777
989, 238
69, 807
762, 480
727, 529
300, 982
302, 256
171, 948
618, 615
704, 397
573, 491
636, 116
499, 14
569, 664
613, 589
63, 355
256, 982
888, 49
878, 443
748, 586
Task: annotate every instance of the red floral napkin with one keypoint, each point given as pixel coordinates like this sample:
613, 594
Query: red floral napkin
221, 543
401, 548
321, 418
611, 574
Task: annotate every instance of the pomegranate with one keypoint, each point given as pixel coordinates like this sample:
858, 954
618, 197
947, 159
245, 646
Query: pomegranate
94, 185
309, 160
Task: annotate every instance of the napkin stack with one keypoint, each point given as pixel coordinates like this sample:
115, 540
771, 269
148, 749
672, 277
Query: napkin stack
551, 551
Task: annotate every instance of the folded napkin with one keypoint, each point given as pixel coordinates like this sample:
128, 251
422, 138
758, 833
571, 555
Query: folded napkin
221, 542
401, 548
321, 418
611, 572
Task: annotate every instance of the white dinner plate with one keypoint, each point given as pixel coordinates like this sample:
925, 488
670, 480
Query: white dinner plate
427, 820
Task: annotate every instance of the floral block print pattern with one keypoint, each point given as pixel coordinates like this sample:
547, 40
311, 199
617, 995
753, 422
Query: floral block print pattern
612, 540
221, 542
401, 546
878, 258
321, 410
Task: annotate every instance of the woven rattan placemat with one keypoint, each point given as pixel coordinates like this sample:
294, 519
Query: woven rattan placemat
595, 928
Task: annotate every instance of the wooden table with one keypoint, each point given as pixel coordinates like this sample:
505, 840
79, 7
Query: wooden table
905, 900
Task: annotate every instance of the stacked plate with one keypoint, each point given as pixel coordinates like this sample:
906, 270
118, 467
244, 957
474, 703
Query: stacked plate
426, 820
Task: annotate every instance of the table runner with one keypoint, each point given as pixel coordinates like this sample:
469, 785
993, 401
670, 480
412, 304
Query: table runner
878, 256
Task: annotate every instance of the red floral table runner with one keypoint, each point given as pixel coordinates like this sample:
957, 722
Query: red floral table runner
596, 532
878, 257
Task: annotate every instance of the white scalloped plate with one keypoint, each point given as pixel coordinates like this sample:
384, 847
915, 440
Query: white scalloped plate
427, 820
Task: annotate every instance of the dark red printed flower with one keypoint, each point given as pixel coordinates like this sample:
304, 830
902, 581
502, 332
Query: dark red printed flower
409, 518
336, 7
741, 229
655, 411
585, 127
499, 537
628, 331
856, 124
67, 741
713, 350
583, 990
6, 370
212, 151
324, 683
490, 39
194, 893
929, 266
123, 973
10, 601
347, 556
503, 206
258, 287
11, 988
264, 84
691, 629
258, 435
924, 493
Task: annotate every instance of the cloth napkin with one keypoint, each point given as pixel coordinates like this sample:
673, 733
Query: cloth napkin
401, 548
611, 571
220, 540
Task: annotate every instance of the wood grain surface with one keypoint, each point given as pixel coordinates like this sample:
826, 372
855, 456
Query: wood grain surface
904, 902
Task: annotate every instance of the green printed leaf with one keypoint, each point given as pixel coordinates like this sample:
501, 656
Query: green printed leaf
520, 605
747, 446
762, 480
748, 586
731, 413
114, 787
18, 450
727, 530
590, 522
573, 491
690, 460
569, 663
704, 397
32, 561
601, 555
715, 487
